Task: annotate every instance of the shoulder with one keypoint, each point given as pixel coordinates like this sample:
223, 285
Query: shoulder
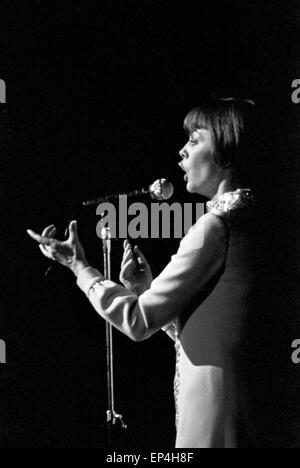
234, 207
209, 229
211, 224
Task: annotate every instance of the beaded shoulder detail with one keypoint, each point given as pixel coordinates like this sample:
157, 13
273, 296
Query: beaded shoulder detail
232, 204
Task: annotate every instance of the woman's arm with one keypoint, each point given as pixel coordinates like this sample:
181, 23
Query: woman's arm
180, 288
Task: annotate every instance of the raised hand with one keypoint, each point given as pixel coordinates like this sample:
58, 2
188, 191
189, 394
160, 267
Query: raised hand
68, 253
135, 272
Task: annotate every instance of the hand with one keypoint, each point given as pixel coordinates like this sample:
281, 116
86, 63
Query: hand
68, 253
135, 272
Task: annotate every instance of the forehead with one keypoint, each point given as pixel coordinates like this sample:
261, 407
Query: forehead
200, 133
197, 132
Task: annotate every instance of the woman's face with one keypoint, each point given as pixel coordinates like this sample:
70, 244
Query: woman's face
203, 175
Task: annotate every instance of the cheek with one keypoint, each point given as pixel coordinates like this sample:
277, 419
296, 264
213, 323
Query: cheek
203, 160
205, 173
212, 169
204, 169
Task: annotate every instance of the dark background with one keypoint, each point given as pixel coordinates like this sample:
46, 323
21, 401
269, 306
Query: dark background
96, 96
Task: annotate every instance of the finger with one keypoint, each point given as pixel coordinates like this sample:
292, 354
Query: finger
45, 252
125, 261
49, 231
126, 271
128, 251
128, 266
139, 256
128, 248
127, 256
73, 236
38, 238
127, 245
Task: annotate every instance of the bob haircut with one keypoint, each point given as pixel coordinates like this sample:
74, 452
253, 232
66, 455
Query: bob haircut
231, 123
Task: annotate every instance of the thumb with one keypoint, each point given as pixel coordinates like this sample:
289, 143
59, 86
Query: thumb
73, 236
140, 257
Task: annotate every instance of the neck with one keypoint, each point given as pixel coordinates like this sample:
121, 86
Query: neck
227, 184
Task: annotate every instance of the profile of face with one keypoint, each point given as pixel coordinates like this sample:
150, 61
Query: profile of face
203, 175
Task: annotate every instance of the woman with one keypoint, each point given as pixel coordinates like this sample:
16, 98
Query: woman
206, 295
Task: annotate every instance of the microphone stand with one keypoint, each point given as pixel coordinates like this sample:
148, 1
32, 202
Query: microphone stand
111, 415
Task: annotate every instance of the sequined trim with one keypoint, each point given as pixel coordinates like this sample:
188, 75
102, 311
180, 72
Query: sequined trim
231, 203
171, 329
177, 378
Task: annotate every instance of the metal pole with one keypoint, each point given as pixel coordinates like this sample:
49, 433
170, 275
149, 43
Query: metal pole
111, 415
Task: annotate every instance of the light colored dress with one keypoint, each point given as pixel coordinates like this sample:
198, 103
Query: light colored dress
206, 291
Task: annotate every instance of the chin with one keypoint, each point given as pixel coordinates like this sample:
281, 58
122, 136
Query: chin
191, 188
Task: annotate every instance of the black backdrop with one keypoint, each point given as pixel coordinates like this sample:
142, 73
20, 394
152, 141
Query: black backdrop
96, 95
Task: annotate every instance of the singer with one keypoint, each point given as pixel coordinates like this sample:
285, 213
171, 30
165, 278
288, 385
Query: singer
206, 299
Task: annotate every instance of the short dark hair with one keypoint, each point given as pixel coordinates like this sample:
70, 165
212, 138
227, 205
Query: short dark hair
231, 123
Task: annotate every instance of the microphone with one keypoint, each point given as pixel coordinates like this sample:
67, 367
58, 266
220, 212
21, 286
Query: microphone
161, 189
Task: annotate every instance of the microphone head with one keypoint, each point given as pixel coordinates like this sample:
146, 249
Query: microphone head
161, 189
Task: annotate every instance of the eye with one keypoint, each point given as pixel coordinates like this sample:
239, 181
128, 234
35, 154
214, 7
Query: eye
192, 141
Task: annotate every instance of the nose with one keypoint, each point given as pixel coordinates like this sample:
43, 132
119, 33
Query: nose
182, 154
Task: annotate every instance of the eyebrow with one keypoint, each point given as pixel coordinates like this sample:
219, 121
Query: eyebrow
192, 135
197, 130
